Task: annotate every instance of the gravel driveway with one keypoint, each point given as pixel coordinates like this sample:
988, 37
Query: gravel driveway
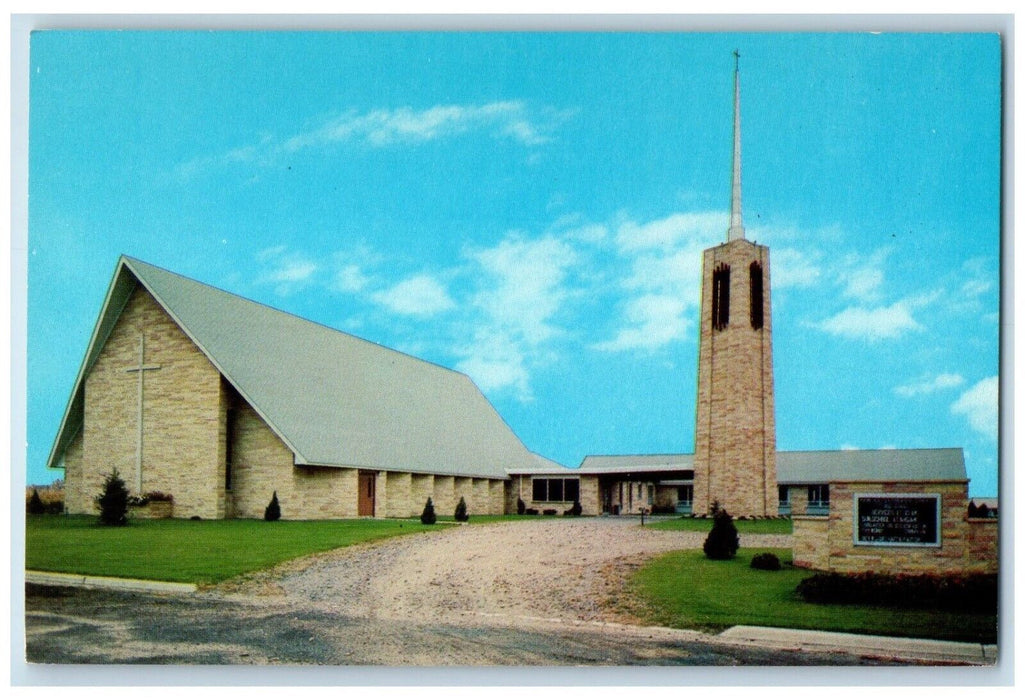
517, 593
545, 569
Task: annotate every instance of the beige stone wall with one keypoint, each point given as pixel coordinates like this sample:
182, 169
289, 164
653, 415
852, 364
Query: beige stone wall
983, 544
798, 500
399, 492
665, 497
421, 488
735, 435
590, 499
183, 449
444, 495
827, 543
811, 541
76, 498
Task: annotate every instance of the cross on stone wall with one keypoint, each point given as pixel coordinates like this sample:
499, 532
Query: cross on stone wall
142, 368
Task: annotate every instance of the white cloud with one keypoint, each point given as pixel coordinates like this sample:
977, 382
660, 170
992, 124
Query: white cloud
495, 362
350, 278
286, 270
701, 228
880, 323
522, 288
421, 295
654, 321
523, 284
792, 267
386, 127
863, 277
945, 380
980, 406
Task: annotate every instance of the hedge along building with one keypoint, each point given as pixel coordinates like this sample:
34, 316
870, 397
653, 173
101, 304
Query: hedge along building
221, 401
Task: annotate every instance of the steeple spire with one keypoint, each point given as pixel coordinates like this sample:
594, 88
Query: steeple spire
736, 230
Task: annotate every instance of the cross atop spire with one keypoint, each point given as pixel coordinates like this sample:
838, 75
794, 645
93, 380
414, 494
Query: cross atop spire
736, 230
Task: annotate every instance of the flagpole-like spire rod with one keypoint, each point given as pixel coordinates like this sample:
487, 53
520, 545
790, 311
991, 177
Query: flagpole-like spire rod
736, 230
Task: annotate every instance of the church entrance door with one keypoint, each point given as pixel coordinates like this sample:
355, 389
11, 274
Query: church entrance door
367, 488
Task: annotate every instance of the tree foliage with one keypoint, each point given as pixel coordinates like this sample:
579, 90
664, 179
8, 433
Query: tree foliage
35, 504
273, 510
428, 517
461, 515
723, 541
113, 501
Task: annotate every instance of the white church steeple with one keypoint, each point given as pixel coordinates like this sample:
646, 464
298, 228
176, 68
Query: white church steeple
736, 231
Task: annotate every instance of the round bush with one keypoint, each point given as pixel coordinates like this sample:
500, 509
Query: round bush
766, 561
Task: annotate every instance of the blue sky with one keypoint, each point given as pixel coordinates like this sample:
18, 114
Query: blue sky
530, 209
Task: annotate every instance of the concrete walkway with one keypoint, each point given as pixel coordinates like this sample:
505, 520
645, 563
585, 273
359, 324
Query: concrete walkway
873, 646
870, 646
48, 578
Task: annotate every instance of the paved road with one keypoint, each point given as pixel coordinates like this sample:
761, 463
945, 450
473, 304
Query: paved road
77, 626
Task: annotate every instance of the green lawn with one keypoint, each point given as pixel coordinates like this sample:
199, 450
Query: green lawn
774, 526
203, 551
686, 590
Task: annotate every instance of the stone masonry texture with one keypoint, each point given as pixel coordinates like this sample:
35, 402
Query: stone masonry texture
735, 433
827, 542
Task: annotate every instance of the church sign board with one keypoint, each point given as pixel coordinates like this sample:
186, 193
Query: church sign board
891, 520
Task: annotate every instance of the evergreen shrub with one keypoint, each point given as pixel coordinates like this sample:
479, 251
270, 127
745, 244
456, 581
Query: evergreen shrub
723, 541
35, 504
521, 507
766, 561
113, 501
273, 510
428, 517
461, 515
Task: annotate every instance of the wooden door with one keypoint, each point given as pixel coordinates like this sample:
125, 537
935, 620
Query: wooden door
367, 487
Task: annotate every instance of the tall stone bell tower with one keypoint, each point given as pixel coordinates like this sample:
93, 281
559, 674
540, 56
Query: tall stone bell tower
735, 435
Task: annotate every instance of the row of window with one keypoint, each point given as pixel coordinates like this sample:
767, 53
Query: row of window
818, 499
556, 490
721, 296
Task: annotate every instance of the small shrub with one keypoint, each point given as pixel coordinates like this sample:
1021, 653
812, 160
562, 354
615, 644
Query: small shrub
521, 507
35, 504
549, 511
575, 510
113, 501
723, 541
766, 561
159, 497
531, 511
461, 515
273, 510
428, 517
195, 517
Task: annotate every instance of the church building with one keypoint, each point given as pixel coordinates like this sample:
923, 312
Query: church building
221, 402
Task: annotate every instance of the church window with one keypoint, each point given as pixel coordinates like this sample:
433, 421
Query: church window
721, 297
757, 296
229, 429
572, 490
818, 499
555, 490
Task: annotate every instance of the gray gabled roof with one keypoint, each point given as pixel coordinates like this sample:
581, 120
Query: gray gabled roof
819, 467
333, 398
